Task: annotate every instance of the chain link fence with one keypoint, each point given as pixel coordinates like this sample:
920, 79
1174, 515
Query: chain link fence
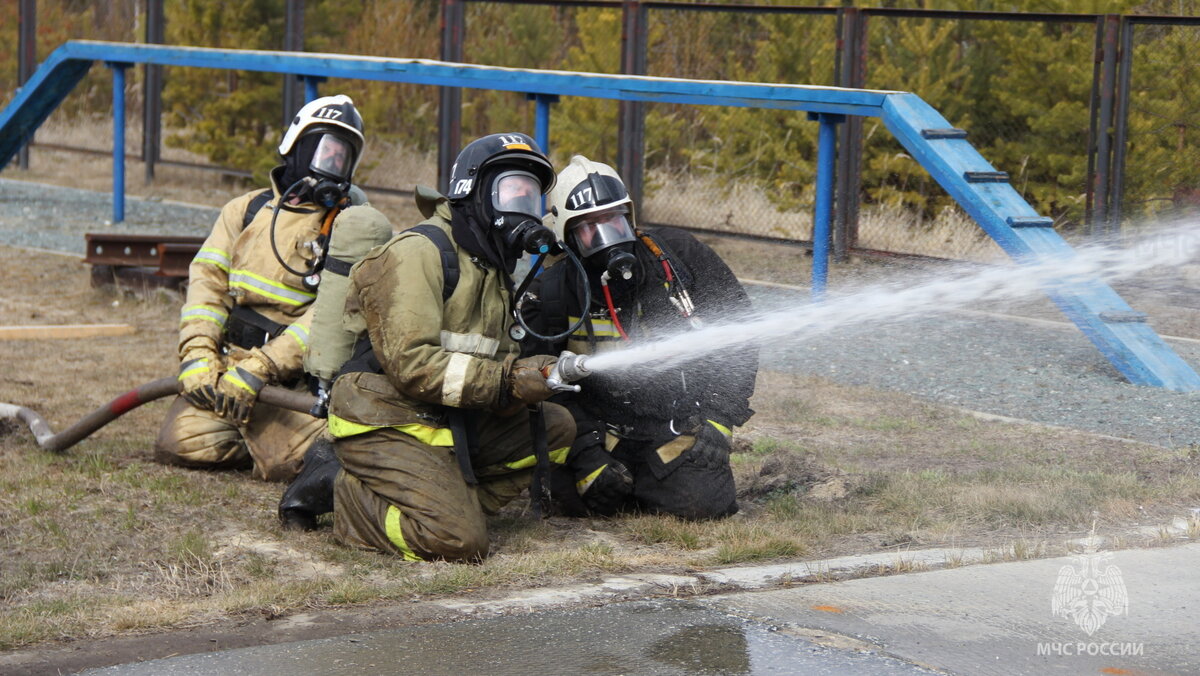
1162, 142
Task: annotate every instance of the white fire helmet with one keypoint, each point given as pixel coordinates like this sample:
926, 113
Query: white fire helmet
330, 113
585, 187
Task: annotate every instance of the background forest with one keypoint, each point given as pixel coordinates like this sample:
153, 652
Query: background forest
1022, 89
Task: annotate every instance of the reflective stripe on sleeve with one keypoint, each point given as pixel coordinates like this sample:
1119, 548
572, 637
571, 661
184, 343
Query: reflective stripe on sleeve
300, 333
202, 312
340, 428
213, 257
558, 456
391, 526
455, 378
470, 343
244, 279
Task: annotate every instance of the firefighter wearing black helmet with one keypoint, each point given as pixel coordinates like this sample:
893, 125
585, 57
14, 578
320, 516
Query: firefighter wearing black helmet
249, 302
430, 419
658, 441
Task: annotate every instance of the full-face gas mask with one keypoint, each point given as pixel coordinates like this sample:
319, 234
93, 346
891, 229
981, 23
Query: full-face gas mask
330, 169
604, 239
515, 203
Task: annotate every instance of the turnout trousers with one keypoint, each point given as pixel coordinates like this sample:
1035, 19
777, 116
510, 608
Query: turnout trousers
273, 443
399, 495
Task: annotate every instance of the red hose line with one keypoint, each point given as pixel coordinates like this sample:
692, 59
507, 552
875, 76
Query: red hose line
155, 389
612, 311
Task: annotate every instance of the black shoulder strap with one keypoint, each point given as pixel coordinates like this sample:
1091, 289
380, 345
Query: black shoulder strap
553, 311
256, 203
449, 256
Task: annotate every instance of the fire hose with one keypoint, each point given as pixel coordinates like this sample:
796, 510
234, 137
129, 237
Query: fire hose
569, 368
155, 389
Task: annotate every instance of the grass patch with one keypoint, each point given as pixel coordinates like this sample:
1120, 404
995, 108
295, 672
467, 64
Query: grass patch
102, 541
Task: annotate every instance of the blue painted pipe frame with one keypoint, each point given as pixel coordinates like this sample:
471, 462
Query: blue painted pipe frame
823, 208
118, 93
1132, 347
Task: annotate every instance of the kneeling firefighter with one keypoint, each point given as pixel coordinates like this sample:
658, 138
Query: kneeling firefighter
659, 441
245, 322
432, 418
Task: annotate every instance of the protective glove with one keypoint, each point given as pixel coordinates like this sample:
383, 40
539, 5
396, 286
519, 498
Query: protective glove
199, 369
709, 443
527, 378
605, 489
238, 389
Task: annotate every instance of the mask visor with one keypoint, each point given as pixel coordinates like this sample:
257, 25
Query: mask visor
333, 158
517, 192
600, 230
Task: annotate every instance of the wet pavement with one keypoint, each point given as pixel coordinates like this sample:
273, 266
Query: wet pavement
642, 637
1121, 612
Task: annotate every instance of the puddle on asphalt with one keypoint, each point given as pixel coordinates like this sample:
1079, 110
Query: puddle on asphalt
641, 637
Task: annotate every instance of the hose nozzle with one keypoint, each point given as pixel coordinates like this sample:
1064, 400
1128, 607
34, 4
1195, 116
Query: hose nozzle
569, 368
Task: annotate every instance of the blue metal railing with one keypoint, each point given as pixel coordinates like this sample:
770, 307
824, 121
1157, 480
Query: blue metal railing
983, 192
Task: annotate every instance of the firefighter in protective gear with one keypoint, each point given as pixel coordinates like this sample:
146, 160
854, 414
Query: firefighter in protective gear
658, 442
431, 419
245, 321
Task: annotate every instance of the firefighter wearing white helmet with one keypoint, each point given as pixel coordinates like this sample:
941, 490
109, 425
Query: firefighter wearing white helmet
659, 441
246, 319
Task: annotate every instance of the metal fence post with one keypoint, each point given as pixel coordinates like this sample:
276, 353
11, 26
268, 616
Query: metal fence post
312, 88
1104, 127
826, 152
852, 51
450, 106
152, 91
118, 70
541, 132
26, 58
293, 41
632, 114
1121, 137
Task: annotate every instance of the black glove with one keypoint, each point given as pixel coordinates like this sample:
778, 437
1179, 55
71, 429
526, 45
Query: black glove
591, 482
706, 444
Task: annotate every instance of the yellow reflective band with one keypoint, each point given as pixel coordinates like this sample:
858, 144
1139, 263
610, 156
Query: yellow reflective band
432, 436
558, 456
213, 257
340, 428
300, 334
202, 312
601, 328
586, 482
517, 146
722, 429
234, 378
391, 526
250, 281
200, 367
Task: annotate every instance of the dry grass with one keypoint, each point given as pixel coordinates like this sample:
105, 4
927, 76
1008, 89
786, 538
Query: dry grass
101, 541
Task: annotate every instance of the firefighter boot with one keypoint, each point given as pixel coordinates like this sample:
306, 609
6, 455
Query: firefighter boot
311, 493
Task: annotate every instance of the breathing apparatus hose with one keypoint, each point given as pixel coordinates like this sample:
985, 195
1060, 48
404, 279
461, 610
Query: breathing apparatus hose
155, 389
322, 238
520, 299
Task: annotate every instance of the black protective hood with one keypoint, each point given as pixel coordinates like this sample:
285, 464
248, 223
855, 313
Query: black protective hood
479, 239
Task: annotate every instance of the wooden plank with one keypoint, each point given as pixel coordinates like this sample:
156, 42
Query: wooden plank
64, 331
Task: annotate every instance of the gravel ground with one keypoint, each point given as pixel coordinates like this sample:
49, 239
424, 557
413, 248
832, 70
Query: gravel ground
1048, 374
49, 217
